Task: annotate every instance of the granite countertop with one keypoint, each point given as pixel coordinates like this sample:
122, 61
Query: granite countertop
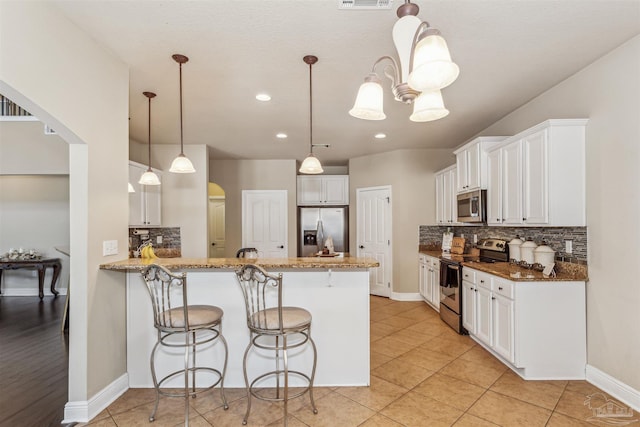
235, 263
565, 272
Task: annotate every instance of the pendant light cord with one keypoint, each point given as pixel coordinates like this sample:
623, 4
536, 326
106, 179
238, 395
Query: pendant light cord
149, 133
310, 109
181, 144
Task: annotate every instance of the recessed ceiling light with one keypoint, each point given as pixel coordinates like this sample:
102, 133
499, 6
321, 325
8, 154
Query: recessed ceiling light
281, 135
380, 135
263, 97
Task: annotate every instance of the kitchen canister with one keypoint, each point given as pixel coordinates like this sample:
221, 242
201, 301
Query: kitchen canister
526, 251
514, 248
544, 255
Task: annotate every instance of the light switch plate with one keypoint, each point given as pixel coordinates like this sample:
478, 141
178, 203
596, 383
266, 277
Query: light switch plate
568, 246
109, 247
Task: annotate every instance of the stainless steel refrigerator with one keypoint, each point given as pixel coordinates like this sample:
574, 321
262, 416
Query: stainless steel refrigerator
316, 224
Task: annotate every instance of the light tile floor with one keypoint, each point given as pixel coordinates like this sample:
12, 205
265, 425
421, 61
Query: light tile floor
422, 374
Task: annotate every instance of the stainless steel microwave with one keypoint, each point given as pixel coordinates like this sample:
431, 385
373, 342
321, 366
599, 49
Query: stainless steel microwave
472, 206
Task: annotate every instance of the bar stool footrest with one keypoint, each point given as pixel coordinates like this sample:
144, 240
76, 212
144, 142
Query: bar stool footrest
191, 393
255, 391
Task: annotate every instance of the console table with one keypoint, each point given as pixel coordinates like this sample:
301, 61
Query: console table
35, 264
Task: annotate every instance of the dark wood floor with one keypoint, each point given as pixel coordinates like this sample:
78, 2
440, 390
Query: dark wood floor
33, 362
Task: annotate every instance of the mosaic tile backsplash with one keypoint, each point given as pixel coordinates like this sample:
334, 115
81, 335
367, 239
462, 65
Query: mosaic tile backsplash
170, 239
555, 237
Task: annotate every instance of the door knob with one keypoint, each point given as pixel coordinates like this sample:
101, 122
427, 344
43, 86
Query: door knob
361, 247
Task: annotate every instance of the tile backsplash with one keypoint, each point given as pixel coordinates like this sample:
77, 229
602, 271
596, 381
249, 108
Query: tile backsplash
555, 237
170, 239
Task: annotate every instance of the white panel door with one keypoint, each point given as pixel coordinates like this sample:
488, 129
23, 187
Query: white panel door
264, 222
503, 327
473, 168
469, 307
483, 315
373, 229
216, 228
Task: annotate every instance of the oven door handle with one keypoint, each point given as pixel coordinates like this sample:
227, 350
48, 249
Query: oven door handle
453, 267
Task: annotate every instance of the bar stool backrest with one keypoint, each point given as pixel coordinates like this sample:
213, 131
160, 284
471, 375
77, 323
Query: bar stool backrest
262, 293
168, 292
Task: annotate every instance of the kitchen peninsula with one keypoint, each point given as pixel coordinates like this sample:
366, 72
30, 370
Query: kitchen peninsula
334, 290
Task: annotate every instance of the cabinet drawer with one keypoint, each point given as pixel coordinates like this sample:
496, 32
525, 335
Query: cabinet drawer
422, 259
503, 287
483, 280
468, 275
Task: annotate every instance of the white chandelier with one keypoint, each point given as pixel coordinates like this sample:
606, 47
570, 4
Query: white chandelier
425, 67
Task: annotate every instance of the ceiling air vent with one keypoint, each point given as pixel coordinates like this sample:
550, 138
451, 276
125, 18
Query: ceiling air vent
364, 4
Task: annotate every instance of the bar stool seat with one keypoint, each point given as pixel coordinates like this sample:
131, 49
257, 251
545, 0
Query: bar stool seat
195, 324
276, 328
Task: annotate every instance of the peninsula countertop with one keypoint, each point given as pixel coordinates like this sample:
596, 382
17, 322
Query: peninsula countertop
235, 263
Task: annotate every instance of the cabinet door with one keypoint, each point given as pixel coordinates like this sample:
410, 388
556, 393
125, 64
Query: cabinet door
494, 187
422, 279
428, 286
435, 284
512, 183
440, 199
469, 307
503, 327
453, 176
461, 171
309, 190
473, 168
446, 197
153, 203
335, 190
483, 315
536, 178
136, 200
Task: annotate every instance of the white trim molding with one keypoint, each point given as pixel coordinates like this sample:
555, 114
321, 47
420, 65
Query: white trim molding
614, 387
406, 296
84, 410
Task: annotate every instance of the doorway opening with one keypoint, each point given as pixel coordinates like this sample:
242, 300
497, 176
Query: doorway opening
216, 221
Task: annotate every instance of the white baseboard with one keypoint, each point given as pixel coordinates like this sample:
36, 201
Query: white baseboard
405, 296
30, 292
83, 411
614, 387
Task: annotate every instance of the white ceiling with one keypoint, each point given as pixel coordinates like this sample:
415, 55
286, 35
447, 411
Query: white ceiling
509, 51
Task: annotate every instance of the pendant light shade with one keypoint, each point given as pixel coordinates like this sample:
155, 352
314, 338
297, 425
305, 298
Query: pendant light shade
369, 102
428, 106
310, 165
432, 65
181, 164
149, 177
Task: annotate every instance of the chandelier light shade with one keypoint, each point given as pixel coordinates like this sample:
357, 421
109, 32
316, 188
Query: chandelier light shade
432, 65
181, 164
428, 106
424, 65
311, 164
369, 101
149, 177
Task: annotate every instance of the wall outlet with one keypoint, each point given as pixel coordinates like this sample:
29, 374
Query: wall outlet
475, 239
109, 247
159, 240
568, 246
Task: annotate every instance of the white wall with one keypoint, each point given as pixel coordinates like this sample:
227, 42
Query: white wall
411, 175
62, 76
26, 150
608, 93
237, 175
34, 214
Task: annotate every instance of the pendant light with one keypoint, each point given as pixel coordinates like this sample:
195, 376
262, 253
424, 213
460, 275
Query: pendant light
310, 165
149, 177
181, 164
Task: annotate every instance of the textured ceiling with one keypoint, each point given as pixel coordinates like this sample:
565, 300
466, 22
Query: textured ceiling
509, 51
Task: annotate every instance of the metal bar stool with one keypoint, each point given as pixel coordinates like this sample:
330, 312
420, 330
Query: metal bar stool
172, 316
276, 328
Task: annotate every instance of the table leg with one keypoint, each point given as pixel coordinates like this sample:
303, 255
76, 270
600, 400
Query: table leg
41, 269
57, 266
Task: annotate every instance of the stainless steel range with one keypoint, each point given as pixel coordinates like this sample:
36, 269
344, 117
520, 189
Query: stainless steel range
491, 250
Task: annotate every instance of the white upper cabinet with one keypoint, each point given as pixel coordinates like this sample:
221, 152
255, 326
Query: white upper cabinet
538, 176
471, 163
446, 200
145, 205
323, 190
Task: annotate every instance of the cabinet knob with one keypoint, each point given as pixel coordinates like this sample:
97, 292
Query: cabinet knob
281, 247
475, 289
361, 247
481, 281
499, 288
493, 297
524, 219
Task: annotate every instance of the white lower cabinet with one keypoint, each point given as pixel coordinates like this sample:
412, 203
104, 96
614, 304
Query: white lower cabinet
538, 328
430, 280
